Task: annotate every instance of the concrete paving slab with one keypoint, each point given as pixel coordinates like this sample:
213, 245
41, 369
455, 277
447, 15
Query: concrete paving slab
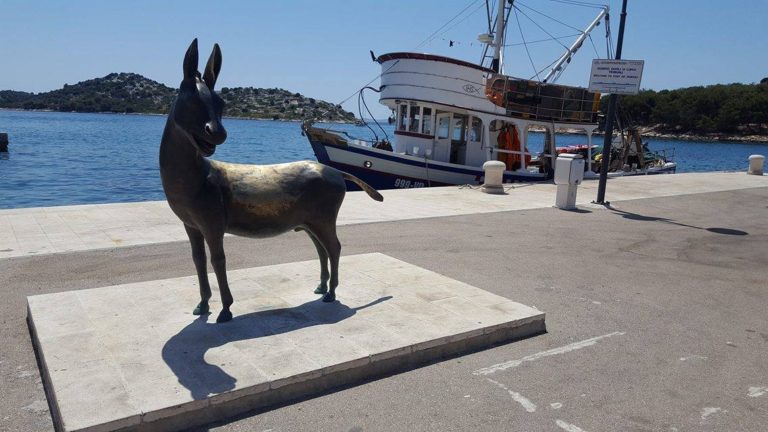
134, 357
49, 230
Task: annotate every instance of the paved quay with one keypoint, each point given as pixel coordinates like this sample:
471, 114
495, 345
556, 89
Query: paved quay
45, 230
655, 307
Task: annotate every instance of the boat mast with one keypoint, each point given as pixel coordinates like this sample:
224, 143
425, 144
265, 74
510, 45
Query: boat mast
563, 61
498, 41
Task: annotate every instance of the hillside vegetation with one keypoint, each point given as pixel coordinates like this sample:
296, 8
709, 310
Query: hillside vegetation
133, 93
727, 109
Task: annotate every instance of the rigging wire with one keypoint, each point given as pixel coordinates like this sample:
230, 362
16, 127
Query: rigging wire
525, 44
537, 25
580, 3
459, 22
434, 34
597, 55
543, 40
544, 68
426, 41
552, 18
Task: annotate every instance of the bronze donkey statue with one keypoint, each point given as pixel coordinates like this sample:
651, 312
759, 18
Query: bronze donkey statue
213, 198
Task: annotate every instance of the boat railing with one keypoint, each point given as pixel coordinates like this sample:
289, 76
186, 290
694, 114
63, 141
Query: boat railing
521, 156
539, 101
515, 152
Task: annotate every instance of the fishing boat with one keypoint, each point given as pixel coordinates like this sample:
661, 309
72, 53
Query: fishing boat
630, 155
451, 116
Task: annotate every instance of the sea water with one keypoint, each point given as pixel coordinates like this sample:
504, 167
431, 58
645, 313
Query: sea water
72, 158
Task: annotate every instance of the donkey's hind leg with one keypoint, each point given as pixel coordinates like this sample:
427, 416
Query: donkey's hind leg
326, 236
322, 288
219, 263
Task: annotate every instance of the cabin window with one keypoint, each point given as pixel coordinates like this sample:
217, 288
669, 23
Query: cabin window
426, 116
402, 117
414, 121
475, 132
458, 128
443, 126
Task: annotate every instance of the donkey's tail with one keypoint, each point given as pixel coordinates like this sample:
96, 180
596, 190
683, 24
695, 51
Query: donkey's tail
373, 193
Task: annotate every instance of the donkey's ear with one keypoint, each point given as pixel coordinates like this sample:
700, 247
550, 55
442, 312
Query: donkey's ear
213, 67
190, 61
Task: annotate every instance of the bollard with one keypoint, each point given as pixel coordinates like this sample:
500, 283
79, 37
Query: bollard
756, 165
569, 172
494, 177
3, 142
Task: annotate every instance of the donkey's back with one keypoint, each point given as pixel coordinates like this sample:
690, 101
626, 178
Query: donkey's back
267, 200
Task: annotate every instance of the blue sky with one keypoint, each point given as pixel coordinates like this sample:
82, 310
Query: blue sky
320, 48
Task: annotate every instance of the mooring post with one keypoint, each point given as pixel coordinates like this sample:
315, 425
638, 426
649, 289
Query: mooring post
3, 142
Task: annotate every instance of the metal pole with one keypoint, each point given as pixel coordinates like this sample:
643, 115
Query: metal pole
498, 41
611, 114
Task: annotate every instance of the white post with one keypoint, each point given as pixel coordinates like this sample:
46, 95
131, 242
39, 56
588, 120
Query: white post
494, 177
756, 164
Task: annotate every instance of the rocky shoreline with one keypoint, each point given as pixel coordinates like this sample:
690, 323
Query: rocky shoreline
652, 132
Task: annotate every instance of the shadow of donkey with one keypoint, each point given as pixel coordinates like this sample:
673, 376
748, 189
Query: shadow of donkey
184, 353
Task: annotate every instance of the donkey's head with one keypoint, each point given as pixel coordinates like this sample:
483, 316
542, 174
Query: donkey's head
198, 108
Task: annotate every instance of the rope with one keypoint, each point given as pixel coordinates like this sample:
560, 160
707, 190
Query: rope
360, 112
369, 111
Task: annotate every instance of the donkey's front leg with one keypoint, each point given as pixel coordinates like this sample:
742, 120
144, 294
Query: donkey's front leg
197, 242
219, 262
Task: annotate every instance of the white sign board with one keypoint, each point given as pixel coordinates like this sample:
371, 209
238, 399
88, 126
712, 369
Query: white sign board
616, 76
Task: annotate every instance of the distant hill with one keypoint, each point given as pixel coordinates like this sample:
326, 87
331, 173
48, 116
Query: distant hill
710, 111
133, 93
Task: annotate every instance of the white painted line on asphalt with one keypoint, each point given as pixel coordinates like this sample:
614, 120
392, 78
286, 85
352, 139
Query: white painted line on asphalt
708, 411
556, 405
693, 357
757, 391
533, 357
568, 427
517, 397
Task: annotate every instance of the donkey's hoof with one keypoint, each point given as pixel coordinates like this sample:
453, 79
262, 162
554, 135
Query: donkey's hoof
329, 298
321, 289
224, 316
201, 309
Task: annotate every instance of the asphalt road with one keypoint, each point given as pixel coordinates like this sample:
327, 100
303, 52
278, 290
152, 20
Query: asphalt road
657, 318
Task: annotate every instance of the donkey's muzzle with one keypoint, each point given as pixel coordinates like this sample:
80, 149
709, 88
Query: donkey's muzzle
215, 133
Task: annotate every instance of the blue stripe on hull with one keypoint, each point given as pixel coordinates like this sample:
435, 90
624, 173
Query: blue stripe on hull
384, 180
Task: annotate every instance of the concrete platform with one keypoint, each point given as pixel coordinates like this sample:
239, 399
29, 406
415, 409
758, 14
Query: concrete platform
133, 357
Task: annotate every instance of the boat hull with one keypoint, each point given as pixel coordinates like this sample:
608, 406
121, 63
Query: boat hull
387, 170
